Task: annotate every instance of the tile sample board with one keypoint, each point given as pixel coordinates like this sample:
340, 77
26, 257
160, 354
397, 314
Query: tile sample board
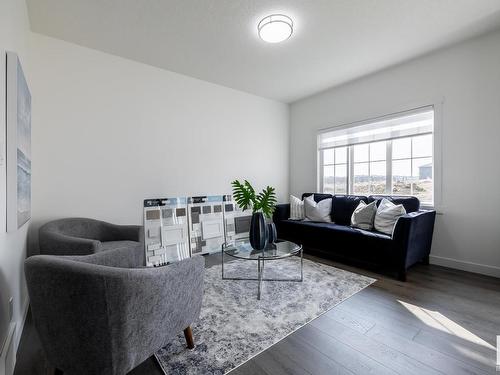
206, 224
166, 232
236, 221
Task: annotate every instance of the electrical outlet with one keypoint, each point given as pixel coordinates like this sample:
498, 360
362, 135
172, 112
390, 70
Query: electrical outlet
11, 308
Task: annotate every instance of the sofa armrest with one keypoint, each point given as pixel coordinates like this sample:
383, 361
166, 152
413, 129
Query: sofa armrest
281, 212
413, 234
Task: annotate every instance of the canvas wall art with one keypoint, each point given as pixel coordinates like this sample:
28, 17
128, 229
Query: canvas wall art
18, 145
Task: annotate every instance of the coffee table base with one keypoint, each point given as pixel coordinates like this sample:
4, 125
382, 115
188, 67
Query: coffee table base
260, 269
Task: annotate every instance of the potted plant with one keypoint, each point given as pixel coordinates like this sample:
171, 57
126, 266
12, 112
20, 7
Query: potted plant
262, 206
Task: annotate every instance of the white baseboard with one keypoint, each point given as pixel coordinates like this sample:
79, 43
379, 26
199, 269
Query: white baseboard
465, 266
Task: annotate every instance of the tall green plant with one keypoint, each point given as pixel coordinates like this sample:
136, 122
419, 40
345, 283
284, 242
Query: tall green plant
244, 194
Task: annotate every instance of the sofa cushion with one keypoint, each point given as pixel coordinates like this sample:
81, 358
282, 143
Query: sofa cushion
318, 211
387, 216
296, 208
344, 205
411, 204
317, 196
363, 215
339, 239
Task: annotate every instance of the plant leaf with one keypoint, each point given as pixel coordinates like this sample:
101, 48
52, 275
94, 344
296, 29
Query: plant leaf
243, 194
266, 201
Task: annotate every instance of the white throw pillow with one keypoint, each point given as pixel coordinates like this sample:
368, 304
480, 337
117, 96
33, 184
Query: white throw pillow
320, 211
387, 216
363, 215
296, 208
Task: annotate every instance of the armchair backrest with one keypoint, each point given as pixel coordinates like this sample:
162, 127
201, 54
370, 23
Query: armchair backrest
69, 307
81, 228
100, 314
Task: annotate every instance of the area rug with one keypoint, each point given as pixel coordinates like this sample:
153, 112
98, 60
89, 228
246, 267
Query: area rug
234, 326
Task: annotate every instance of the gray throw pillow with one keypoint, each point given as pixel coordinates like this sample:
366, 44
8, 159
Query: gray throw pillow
320, 211
387, 216
363, 215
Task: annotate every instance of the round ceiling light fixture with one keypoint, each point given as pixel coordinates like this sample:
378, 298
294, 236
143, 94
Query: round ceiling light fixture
275, 28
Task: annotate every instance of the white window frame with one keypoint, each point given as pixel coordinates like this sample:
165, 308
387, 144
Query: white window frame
436, 157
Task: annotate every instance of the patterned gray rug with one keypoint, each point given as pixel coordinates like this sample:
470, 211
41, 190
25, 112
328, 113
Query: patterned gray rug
234, 326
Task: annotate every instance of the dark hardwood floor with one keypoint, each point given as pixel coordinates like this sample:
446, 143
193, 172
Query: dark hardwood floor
440, 321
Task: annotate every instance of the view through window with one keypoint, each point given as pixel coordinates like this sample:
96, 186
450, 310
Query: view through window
389, 155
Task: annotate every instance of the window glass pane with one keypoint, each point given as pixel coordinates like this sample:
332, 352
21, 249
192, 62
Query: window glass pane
341, 155
377, 151
401, 177
328, 156
422, 179
422, 146
328, 178
377, 177
360, 153
341, 179
361, 183
401, 148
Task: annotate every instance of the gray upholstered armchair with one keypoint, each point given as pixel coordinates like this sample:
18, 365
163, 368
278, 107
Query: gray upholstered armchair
81, 236
97, 314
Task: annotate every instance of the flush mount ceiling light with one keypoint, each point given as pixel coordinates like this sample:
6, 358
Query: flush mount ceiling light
275, 28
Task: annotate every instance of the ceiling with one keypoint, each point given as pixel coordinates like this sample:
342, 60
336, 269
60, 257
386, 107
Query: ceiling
334, 41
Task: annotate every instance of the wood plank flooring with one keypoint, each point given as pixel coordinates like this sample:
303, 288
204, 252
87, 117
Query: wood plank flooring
441, 321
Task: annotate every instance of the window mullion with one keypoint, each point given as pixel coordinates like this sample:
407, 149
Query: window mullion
334, 171
411, 165
321, 171
350, 163
388, 167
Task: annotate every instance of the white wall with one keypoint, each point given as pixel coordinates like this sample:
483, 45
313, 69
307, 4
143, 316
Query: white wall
14, 29
110, 132
467, 77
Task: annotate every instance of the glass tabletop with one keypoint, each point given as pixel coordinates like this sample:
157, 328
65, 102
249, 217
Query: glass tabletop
280, 249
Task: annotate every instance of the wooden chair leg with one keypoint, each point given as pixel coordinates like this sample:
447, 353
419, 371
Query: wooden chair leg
188, 334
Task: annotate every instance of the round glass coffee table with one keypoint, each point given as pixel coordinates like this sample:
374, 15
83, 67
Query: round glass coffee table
242, 249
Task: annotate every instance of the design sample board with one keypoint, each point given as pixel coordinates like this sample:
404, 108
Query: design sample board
206, 224
166, 234
236, 221
176, 228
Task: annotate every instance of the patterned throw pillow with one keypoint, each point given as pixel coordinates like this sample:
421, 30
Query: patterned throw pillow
387, 216
320, 211
363, 215
296, 208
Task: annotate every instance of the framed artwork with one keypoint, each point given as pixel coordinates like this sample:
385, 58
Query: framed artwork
18, 139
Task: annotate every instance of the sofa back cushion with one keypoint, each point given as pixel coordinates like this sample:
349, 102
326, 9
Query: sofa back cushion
317, 196
411, 204
344, 205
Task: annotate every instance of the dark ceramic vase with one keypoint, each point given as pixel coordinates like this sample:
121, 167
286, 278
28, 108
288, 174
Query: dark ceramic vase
258, 231
272, 234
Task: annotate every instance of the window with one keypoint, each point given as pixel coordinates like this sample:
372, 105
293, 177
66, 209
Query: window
389, 155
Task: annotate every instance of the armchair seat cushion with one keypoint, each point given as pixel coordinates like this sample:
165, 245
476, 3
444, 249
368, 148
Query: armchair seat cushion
111, 245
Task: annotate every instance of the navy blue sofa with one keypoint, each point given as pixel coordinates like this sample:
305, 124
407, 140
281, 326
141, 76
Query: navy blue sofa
410, 243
